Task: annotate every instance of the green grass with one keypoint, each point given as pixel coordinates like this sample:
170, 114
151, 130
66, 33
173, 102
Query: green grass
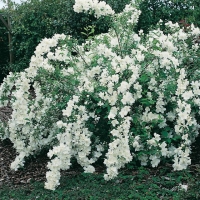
143, 184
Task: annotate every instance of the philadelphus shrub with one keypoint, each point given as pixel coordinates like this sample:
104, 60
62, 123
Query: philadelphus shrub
120, 97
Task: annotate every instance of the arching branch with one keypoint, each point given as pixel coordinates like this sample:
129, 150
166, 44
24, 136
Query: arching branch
5, 23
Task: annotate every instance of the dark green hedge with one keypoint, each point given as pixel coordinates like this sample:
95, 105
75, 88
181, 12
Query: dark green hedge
174, 10
4, 50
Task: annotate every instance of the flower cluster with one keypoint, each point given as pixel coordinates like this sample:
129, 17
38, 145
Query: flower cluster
100, 8
118, 97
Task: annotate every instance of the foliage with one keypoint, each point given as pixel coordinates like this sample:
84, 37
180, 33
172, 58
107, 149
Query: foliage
34, 20
176, 10
4, 50
194, 13
120, 97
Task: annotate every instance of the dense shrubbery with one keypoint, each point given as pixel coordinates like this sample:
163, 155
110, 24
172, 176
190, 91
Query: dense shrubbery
120, 97
34, 20
155, 10
4, 50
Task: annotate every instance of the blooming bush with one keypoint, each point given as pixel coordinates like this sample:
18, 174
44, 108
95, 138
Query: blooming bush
120, 96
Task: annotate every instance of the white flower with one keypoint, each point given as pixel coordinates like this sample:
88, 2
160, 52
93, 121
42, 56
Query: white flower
124, 111
139, 56
113, 98
157, 137
152, 142
182, 35
67, 112
137, 146
183, 116
123, 87
114, 122
155, 160
89, 169
195, 31
113, 113
185, 137
187, 95
128, 98
115, 78
171, 116
164, 150
60, 124
114, 42
52, 179
183, 187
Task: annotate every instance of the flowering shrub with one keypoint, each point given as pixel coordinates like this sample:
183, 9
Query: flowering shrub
121, 96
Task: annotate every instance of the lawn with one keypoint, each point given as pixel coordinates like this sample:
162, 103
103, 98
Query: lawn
132, 183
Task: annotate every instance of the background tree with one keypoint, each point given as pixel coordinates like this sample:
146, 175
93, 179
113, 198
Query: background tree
175, 11
4, 50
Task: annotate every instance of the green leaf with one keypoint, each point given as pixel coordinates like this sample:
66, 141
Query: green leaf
164, 134
146, 102
98, 110
83, 33
144, 78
